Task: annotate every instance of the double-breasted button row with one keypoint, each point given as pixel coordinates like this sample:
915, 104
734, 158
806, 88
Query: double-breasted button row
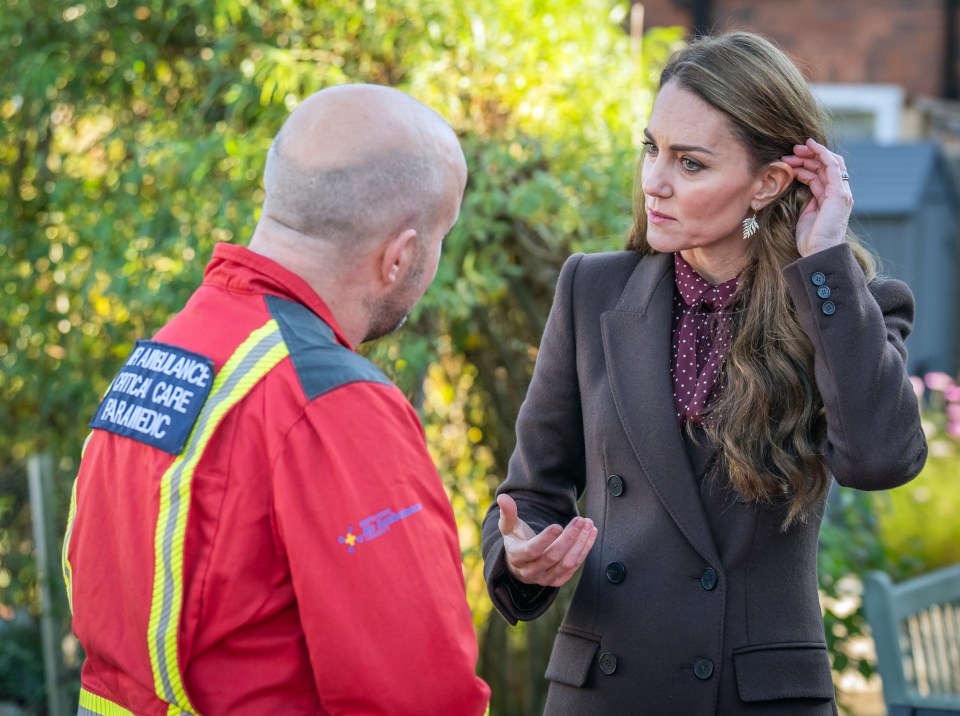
819, 280
702, 668
616, 571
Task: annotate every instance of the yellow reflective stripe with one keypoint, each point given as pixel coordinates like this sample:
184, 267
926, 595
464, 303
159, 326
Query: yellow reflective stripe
64, 560
93, 704
252, 360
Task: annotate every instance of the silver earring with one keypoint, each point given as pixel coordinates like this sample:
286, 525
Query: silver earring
750, 226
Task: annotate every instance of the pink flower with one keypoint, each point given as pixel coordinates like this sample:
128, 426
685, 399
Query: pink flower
917, 385
953, 429
953, 413
953, 393
938, 380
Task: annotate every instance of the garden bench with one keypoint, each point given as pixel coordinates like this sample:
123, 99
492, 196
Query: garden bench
916, 629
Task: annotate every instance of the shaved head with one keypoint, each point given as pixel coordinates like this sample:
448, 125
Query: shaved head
362, 184
354, 163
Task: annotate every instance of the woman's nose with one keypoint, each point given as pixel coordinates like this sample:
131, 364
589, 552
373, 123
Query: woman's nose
653, 179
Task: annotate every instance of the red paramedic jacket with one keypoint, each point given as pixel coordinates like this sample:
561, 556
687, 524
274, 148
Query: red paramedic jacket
257, 527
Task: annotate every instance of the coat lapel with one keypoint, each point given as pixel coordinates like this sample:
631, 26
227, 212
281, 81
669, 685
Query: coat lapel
636, 344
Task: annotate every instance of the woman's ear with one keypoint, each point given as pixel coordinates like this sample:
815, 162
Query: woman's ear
774, 179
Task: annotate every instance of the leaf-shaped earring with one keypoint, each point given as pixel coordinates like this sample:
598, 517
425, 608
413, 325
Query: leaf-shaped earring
750, 226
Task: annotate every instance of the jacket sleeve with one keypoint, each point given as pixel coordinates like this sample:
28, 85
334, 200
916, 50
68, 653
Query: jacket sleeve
874, 437
369, 534
546, 473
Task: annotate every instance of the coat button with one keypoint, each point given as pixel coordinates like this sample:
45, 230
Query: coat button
818, 279
828, 308
615, 485
608, 663
703, 668
823, 291
616, 572
708, 580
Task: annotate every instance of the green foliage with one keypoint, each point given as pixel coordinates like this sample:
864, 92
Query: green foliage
21, 666
18, 569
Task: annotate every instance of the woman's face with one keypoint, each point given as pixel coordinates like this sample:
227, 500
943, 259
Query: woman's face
699, 183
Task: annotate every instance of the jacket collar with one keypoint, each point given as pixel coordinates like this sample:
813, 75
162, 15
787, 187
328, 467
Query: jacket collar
238, 268
636, 343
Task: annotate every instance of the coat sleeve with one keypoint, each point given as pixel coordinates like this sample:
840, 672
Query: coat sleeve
546, 472
874, 437
372, 546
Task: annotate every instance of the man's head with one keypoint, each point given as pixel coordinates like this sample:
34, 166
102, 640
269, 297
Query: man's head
362, 183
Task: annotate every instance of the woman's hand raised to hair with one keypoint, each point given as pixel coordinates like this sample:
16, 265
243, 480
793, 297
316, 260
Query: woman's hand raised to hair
550, 558
823, 221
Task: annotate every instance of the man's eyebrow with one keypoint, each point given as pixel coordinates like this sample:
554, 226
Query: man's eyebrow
679, 147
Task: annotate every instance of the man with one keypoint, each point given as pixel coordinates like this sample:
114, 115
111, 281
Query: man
257, 526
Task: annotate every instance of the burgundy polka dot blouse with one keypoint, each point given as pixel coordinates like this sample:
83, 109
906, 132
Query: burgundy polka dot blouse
700, 340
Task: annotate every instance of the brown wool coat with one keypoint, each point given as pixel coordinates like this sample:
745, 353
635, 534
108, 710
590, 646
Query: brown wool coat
692, 602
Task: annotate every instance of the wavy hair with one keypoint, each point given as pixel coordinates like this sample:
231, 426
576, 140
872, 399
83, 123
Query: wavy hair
768, 421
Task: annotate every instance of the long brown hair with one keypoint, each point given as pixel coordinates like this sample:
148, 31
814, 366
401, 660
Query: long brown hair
768, 422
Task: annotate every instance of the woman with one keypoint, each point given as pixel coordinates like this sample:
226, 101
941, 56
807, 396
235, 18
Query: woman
699, 390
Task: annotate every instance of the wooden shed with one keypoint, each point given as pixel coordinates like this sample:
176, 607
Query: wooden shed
906, 210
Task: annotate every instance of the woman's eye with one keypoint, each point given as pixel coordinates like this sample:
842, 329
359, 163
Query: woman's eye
691, 165
649, 147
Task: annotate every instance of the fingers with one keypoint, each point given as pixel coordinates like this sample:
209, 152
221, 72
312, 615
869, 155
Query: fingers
551, 546
812, 161
573, 558
524, 555
508, 514
811, 179
552, 557
823, 221
563, 572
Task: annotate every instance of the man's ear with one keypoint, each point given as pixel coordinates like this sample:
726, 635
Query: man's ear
397, 256
774, 179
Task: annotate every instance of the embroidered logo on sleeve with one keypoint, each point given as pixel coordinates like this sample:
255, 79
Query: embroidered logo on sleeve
157, 396
375, 526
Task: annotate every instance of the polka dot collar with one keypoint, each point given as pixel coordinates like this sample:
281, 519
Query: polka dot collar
700, 339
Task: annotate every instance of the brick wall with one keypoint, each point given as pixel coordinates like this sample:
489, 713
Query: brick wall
870, 41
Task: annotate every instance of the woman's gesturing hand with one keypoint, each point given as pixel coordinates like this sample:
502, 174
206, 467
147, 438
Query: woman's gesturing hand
550, 558
823, 221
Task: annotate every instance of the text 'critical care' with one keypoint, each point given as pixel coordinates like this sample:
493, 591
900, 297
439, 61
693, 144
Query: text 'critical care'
157, 396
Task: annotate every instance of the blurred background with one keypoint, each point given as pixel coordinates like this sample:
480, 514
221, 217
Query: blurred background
132, 137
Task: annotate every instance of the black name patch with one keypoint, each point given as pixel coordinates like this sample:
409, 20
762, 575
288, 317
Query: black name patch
157, 396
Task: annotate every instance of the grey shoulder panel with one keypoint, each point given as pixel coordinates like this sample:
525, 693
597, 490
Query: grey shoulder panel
321, 363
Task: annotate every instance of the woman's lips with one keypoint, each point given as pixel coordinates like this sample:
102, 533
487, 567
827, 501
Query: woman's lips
655, 217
